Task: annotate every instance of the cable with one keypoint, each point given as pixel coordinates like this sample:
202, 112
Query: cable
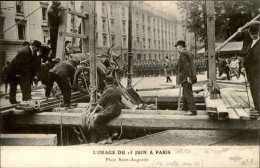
24, 17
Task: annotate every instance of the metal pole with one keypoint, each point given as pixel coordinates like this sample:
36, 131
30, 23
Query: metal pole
130, 54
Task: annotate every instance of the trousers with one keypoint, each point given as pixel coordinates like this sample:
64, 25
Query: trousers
64, 87
188, 98
25, 84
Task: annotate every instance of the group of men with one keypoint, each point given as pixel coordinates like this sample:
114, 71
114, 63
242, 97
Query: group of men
231, 67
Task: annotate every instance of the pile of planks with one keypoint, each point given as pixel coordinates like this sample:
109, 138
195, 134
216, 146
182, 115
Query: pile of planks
238, 105
45, 104
215, 107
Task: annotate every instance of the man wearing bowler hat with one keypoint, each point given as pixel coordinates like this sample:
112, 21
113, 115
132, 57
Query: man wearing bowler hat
22, 70
251, 49
186, 76
109, 107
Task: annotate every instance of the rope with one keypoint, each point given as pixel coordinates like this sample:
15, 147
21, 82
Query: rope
33, 103
121, 127
25, 17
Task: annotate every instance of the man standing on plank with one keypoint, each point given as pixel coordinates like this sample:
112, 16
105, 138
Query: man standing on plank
186, 76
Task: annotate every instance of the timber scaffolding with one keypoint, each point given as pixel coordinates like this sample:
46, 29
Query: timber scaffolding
231, 111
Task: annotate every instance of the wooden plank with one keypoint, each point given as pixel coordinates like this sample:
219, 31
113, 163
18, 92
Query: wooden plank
169, 99
242, 114
137, 121
181, 138
221, 109
210, 104
75, 35
28, 139
232, 114
74, 12
226, 102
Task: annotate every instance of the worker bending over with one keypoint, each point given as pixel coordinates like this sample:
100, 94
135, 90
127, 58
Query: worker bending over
63, 74
109, 107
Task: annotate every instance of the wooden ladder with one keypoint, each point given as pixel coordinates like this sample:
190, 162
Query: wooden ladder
62, 33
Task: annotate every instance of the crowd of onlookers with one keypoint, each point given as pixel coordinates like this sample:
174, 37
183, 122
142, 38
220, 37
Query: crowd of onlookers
230, 66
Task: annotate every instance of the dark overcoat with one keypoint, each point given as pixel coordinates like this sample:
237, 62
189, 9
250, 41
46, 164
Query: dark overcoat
185, 68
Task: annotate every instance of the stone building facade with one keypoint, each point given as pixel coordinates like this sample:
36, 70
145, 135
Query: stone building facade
154, 32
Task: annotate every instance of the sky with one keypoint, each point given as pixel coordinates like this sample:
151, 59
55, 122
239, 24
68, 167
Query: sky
169, 6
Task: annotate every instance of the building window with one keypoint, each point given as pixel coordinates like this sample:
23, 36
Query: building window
113, 39
103, 8
149, 31
137, 29
125, 56
154, 44
21, 28
136, 16
139, 56
158, 34
149, 43
19, 7
155, 56
138, 42
124, 42
144, 43
123, 11
104, 40
149, 20
111, 10
44, 13
159, 45
124, 28
104, 24
112, 25
72, 22
150, 57
158, 24
154, 33
143, 31
143, 18
162, 44
46, 36
154, 23
159, 57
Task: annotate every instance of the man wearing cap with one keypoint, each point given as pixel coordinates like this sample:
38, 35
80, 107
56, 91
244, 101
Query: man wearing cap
186, 76
23, 68
54, 18
109, 107
251, 49
63, 74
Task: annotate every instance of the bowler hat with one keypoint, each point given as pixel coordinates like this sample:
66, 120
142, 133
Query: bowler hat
37, 44
181, 43
254, 28
109, 79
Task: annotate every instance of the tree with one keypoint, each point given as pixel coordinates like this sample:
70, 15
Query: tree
230, 15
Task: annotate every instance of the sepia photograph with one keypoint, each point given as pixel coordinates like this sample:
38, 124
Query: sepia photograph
130, 83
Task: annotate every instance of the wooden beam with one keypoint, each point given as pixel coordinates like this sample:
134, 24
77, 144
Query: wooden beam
211, 46
138, 121
75, 35
28, 139
60, 51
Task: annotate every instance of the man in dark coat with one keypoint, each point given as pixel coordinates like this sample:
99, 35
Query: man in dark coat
109, 107
22, 70
223, 68
251, 46
63, 74
54, 18
186, 77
